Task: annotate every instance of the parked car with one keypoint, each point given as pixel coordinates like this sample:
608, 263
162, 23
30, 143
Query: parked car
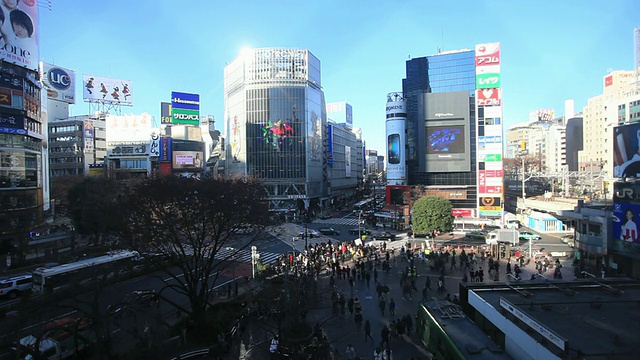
384, 236
362, 231
329, 231
527, 235
13, 286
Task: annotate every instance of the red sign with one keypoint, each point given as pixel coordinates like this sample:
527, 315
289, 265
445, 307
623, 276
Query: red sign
488, 96
462, 212
165, 169
608, 81
482, 181
493, 173
488, 54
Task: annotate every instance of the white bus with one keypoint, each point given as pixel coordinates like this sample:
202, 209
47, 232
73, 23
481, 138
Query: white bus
47, 279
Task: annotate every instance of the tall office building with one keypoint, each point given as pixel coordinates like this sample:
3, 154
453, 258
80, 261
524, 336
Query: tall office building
441, 125
454, 128
276, 124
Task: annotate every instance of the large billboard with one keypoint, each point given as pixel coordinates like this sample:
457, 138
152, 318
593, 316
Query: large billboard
127, 128
447, 132
59, 82
20, 33
626, 151
330, 145
626, 214
185, 108
89, 136
107, 90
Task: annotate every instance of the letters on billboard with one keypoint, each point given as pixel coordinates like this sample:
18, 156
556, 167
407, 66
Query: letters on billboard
59, 82
165, 113
188, 160
626, 151
106, 90
20, 35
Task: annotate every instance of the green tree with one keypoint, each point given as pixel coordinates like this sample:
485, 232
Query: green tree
431, 213
189, 222
95, 206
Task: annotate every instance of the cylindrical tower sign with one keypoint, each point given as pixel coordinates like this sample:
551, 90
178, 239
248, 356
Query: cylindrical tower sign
395, 126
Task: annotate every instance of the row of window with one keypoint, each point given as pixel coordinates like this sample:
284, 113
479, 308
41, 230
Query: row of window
64, 129
20, 141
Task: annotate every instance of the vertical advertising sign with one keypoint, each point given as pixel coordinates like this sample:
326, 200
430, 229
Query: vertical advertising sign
185, 108
396, 110
330, 145
165, 113
347, 161
154, 146
20, 33
489, 145
59, 82
89, 136
165, 149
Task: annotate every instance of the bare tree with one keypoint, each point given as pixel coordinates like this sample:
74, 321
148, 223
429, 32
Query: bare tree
189, 222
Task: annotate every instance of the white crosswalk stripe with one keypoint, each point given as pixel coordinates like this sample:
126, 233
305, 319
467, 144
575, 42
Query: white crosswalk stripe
337, 221
245, 255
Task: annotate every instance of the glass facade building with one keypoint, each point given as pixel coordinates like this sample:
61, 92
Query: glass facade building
276, 124
426, 79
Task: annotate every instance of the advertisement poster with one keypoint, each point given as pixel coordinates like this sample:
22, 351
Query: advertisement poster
107, 90
59, 82
330, 145
128, 127
626, 216
626, 151
185, 108
347, 161
89, 136
20, 44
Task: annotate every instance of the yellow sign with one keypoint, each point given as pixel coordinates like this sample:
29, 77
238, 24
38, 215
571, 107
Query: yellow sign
490, 208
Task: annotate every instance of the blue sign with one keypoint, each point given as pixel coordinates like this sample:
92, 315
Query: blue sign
59, 79
165, 149
7, 130
185, 101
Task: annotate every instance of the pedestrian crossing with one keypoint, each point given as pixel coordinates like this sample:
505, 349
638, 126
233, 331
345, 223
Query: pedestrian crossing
337, 221
245, 255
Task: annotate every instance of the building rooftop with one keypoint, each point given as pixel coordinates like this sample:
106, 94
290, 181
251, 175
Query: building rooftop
598, 319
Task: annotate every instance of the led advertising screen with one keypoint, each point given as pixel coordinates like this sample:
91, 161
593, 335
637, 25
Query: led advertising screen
626, 151
59, 82
188, 160
20, 33
99, 89
445, 139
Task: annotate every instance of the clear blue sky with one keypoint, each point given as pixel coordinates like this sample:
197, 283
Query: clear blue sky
551, 50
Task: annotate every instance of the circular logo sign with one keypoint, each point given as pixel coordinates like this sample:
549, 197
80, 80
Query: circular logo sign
59, 79
488, 201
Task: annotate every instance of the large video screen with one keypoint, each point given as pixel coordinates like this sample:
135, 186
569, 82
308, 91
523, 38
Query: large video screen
445, 139
394, 148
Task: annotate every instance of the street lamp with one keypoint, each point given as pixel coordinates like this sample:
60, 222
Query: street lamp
255, 257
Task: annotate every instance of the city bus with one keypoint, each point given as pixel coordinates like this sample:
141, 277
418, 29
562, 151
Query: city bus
48, 279
363, 205
447, 333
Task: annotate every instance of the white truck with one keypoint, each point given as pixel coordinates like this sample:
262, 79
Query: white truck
510, 236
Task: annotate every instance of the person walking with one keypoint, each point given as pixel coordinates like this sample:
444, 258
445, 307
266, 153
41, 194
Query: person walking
367, 331
350, 306
392, 307
428, 283
408, 322
358, 319
384, 334
382, 305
